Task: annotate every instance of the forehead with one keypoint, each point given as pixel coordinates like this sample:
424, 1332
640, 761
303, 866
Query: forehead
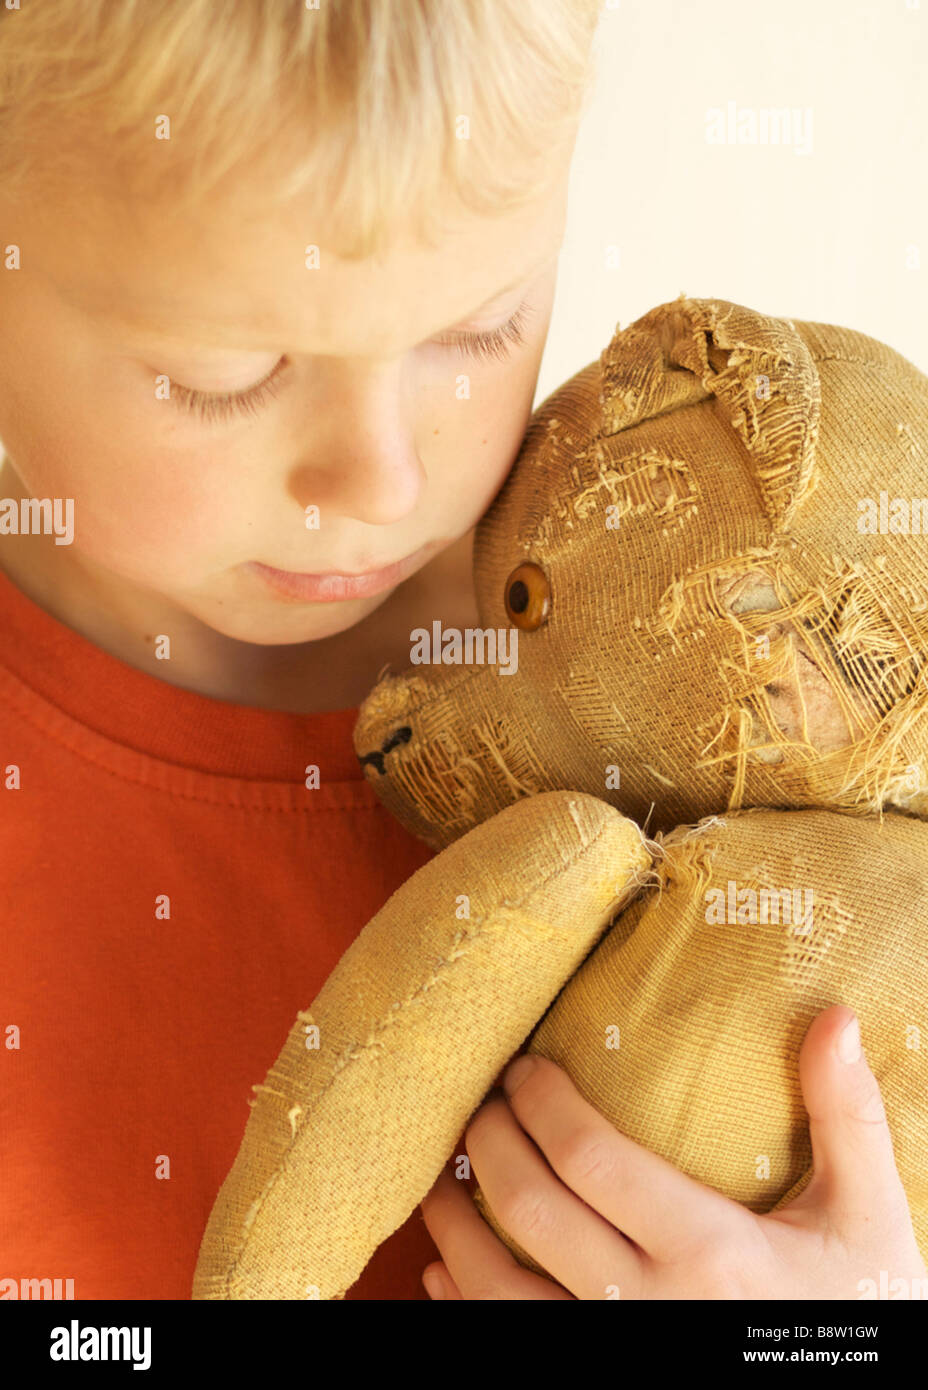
236, 273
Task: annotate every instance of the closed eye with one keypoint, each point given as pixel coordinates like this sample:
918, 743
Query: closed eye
496, 342
212, 407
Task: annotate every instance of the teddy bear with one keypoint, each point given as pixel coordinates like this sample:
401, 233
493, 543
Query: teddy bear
685, 816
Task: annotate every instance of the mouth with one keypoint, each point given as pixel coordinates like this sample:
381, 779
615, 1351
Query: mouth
332, 586
376, 759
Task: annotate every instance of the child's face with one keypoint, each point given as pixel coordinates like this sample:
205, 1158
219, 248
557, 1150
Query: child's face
369, 419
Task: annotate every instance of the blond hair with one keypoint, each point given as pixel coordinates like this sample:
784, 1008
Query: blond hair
383, 107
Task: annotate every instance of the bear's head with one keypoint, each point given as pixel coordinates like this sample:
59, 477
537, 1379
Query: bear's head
703, 585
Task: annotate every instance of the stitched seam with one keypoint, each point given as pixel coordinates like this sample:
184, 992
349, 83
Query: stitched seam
54, 736
842, 357
358, 1050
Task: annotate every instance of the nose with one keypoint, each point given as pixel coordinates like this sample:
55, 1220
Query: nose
376, 759
384, 722
362, 461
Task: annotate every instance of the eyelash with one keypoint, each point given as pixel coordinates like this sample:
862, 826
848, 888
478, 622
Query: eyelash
211, 406
497, 342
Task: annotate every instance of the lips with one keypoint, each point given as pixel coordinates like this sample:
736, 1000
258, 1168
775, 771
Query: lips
334, 587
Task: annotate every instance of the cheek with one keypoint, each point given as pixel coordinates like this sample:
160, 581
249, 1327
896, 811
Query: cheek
139, 510
479, 438
144, 506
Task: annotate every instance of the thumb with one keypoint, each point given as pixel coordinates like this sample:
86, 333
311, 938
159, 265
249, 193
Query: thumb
852, 1151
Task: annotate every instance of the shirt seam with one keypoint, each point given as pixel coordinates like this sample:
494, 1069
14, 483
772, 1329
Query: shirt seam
361, 802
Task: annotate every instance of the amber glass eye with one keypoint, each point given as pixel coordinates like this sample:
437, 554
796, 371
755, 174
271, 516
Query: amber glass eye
528, 596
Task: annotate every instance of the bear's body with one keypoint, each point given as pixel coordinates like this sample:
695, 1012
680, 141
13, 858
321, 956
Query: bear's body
684, 1026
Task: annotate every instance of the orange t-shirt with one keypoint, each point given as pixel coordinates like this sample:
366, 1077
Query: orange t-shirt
141, 1036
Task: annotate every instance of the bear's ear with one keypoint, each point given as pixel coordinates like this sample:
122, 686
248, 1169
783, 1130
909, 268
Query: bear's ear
758, 369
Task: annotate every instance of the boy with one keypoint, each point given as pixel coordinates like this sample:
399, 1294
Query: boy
279, 413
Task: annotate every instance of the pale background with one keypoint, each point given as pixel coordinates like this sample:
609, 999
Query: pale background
823, 236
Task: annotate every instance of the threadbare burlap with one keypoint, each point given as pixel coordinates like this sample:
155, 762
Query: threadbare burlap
422, 1011
724, 512
685, 1033
720, 629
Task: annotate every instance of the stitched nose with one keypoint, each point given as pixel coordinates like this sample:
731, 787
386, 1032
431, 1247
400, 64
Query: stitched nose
402, 735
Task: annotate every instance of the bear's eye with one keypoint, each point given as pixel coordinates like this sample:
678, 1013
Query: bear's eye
527, 596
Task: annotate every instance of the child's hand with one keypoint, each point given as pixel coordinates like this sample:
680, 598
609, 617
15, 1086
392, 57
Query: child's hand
614, 1220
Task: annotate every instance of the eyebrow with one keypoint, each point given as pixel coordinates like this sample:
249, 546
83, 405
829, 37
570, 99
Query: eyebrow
522, 279
455, 334
181, 328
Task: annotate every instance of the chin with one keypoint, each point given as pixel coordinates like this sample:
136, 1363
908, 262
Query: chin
285, 624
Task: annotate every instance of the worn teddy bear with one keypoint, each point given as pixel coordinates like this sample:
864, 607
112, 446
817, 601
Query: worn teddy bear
712, 552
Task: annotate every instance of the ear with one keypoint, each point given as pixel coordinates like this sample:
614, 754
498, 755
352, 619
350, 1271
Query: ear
757, 368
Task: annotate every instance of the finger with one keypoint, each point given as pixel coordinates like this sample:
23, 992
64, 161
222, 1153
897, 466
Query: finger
479, 1265
438, 1283
852, 1149
576, 1245
639, 1193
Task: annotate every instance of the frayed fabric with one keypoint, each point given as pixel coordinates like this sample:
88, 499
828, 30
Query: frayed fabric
728, 656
